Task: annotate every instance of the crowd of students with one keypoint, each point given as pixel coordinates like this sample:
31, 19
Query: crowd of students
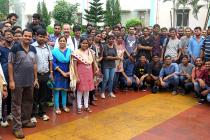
39, 68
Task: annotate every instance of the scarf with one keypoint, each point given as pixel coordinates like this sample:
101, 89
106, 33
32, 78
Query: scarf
80, 55
59, 55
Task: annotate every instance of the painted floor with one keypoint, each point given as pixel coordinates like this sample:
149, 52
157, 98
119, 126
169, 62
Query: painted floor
135, 116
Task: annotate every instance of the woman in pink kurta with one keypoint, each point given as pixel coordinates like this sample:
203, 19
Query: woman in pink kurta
84, 68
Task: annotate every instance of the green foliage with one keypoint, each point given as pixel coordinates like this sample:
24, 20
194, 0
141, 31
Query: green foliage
4, 9
65, 12
96, 13
50, 29
42, 10
133, 22
113, 12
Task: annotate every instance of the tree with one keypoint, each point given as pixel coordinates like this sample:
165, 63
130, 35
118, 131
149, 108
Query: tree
96, 13
45, 14
39, 10
133, 22
208, 14
65, 12
4, 9
113, 12
42, 10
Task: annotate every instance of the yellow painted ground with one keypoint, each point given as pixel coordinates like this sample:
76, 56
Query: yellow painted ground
122, 122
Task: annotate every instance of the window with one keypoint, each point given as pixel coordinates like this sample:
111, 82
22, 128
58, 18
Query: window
182, 17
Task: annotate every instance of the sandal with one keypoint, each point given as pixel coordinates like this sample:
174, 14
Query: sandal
88, 110
79, 111
58, 111
66, 109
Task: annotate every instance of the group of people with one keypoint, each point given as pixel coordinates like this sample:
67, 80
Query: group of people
39, 68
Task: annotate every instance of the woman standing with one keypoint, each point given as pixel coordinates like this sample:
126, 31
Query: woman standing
108, 66
61, 61
83, 67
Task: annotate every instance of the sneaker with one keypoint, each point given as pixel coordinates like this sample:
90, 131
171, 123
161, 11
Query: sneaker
88, 110
103, 96
45, 118
112, 95
201, 101
19, 134
4, 124
29, 125
33, 120
9, 117
174, 93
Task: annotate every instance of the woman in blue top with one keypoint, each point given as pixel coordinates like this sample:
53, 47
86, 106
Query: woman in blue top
61, 61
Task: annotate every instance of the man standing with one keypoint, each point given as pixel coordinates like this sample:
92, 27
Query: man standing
57, 33
171, 46
22, 79
76, 38
44, 69
11, 18
195, 44
184, 41
205, 50
169, 74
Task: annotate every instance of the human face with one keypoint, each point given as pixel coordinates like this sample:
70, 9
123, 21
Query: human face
41, 39
7, 26
143, 59
207, 64
8, 36
156, 59
27, 37
57, 29
188, 32
197, 32
93, 32
168, 61
66, 30
107, 28
156, 30
98, 38
35, 21
180, 32
146, 32
17, 37
132, 30
120, 39
116, 31
164, 32
77, 33
150, 30
198, 62
184, 61
90, 40
111, 41
62, 43
204, 33
103, 34
172, 34
84, 45
13, 20
208, 31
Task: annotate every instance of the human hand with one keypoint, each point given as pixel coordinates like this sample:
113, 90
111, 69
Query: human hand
12, 85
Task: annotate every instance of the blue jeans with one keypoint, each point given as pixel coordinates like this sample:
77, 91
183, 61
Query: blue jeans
173, 81
56, 98
187, 86
197, 88
108, 74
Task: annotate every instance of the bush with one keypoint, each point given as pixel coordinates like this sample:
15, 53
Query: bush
133, 22
50, 29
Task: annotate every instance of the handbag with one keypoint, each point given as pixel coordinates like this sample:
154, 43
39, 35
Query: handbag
50, 84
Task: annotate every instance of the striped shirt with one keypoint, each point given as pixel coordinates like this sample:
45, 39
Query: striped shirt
206, 48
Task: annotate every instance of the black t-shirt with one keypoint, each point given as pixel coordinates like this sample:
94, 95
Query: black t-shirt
145, 42
140, 69
107, 51
154, 69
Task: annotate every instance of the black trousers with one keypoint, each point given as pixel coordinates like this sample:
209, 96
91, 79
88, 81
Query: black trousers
40, 95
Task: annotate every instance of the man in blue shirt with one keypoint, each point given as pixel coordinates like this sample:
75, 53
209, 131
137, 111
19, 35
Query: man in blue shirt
205, 50
195, 44
57, 33
169, 74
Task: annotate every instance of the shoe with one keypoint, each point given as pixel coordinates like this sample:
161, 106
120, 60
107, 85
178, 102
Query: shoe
45, 118
9, 117
174, 93
66, 109
201, 101
112, 95
29, 125
58, 111
93, 103
19, 134
88, 110
4, 124
154, 89
94, 98
103, 96
79, 111
33, 120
